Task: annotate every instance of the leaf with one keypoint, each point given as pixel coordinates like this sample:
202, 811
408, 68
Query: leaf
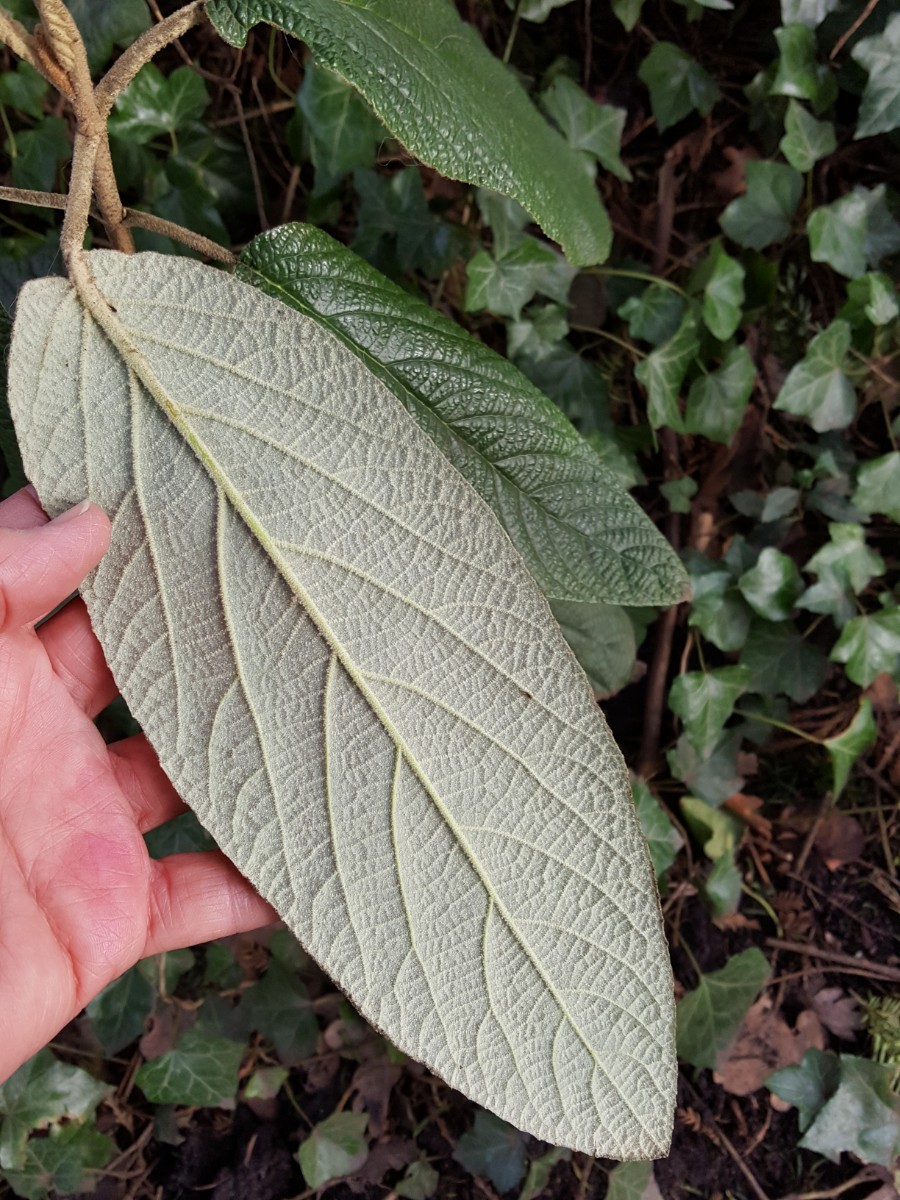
805, 140
797, 73
344, 133
581, 535
837, 234
199, 1071
845, 566
505, 218
538, 10
505, 285
633, 1181
780, 660
878, 486
602, 639
663, 839
862, 1117
655, 315
39, 152
119, 1012
817, 388
711, 1015
716, 829
420, 1181
880, 108
808, 1084
679, 493
678, 84
540, 1170
704, 701
717, 401
278, 1008
334, 1148
104, 26
537, 333
717, 609
722, 279
772, 586
494, 1149
39, 1095
589, 128
845, 748
58, 1162
713, 778
722, 886
870, 644
872, 296
383, 729
764, 214
396, 230
431, 80
628, 12
23, 88
806, 12
153, 104
662, 373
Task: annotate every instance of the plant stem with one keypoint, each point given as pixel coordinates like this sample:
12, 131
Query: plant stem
178, 233
511, 40
610, 337
645, 276
807, 737
139, 53
78, 201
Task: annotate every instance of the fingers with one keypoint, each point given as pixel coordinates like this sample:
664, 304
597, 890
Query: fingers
77, 658
198, 897
40, 567
144, 783
22, 510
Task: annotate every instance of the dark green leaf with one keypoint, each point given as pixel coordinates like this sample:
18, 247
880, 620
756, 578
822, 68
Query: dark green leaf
431, 80
119, 1012
494, 1149
9, 446
817, 388
602, 639
334, 1148
764, 214
153, 104
808, 1084
344, 132
181, 835
714, 778
806, 140
870, 644
104, 26
718, 610
663, 839
722, 280
772, 586
24, 89
662, 373
781, 661
397, 231
880, 109
199, 1071
716, 401
420, 1181
537, 333
678, 84
710, 1015
57, 1163
39, 152
589, 128
655, 315
845, 748
505, 218
525, 459
878, 486
704, 701
797, 73
279, 1009
862, 1117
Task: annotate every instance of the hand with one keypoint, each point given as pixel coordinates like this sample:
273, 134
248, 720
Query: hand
80, 898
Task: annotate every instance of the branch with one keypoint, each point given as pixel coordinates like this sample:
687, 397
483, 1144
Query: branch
139, 53
38, 199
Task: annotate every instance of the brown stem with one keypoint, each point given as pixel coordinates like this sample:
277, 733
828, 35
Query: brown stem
139, 53
882, 970
38, 199
78, 206
178, 233
106, 191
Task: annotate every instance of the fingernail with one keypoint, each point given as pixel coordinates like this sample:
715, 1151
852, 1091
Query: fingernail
71, 513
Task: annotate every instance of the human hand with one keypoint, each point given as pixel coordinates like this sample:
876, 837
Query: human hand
80, 898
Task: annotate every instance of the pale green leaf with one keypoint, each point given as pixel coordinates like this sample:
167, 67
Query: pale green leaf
662, 373
710, 1015
540, 1170
265, 1083
334, 1148
805, 140
431, 80
713, 778
633, 1181
420, 1181
581, 535
704, 700
716, 829
878, 486
806, 12
536, 10
602, 639
717, 401
494, 1149
880, 108
797, 71
862, 1117
505, 218
678, 84
506, 284
537, 333
588, 127
679, 493
845, 566
817, 387
764, 214
198, 1071
723, 292
628, 12
807, 1084
347, 671
722, 886
837, 234
872, 296
846, 747
663, 839
772, 586
870, 644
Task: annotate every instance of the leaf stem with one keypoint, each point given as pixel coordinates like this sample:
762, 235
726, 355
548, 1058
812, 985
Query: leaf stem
140, 52
755, 716
610, 337
514, 29
645, 276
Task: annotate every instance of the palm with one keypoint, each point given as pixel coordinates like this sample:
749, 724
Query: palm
80, 898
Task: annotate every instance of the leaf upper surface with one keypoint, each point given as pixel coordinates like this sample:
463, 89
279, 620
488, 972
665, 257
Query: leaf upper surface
347, 671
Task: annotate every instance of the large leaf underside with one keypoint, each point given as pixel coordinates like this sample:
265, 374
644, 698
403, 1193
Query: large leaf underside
432, 81
580, 533
350, 676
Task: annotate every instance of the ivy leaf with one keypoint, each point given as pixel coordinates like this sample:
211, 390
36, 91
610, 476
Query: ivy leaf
713, 778
880, 108
797, 73
344, 132
655, 315
633, 1181
817, 388
334, 1148
704, 700
392, 52
582, 536
878, 486
602, 639
873, 297
764, 214
537, 10
805, 140
722, 886
663, 839
678, 493
628, 12
722, 279
57, 1163
505, 285
396, 230
710, 1015
806, 12
772, 586
540, 1170
278, 1008
870, 644
104, 26
505, 218
807, 1084
678, 84
781, 661
537, 333
845, 748
371, 639
717, 830
119, 1012
25, 89
837, 234
589, 128
717, 401
39, 153
39, 1095
717, 609
845, 567
154, 104
420, 1181
494, 1149
862, 1117
662, 373
199, 1071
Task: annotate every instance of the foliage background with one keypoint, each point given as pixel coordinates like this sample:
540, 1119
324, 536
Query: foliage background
736, 363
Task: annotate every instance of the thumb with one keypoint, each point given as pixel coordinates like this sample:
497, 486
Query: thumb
40, 567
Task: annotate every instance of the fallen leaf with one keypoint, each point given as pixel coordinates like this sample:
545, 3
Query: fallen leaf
747, 808
839, 840
837, 1011
373, 1083
765, 1043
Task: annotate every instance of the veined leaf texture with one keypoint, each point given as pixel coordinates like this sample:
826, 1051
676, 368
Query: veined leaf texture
349, 674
